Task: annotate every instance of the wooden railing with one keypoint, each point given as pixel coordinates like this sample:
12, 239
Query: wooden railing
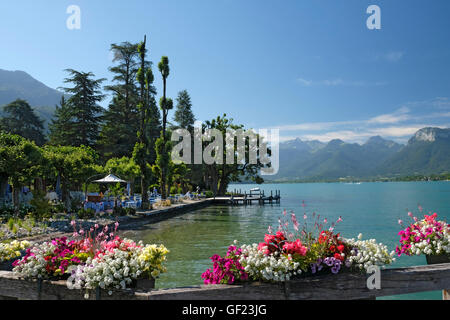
342, 286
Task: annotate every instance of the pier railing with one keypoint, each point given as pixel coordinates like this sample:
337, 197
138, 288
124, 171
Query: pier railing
325, 287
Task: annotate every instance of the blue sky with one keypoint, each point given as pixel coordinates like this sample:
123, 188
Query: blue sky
311, 68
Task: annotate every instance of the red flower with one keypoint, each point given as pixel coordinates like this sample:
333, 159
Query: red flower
338, 256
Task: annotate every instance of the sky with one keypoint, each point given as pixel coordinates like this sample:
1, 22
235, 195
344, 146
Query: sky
312, 69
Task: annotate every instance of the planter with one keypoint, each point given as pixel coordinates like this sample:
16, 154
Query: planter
7, 265
438, 258
143, 284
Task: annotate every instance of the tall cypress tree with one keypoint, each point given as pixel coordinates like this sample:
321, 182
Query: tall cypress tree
84, 110
20, 119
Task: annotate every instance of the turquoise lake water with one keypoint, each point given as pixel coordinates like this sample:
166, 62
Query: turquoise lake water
372, 209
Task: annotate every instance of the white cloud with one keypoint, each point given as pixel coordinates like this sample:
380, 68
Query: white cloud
395, 117
397, 133
338, 82
393, 56
398, 125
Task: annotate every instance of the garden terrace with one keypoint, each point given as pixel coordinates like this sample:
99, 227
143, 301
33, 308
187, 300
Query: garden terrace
341, 286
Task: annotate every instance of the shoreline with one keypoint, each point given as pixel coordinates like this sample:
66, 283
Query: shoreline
128, 222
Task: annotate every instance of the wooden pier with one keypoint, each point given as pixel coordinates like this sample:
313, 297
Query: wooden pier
253, 196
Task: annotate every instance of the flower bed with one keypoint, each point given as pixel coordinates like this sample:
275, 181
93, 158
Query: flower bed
291, 252
10, 251
94, 258
427, 236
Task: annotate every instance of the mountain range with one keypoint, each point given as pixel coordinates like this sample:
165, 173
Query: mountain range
427, 152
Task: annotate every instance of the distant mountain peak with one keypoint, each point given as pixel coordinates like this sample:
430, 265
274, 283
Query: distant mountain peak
430, 134
335, 142
376, 139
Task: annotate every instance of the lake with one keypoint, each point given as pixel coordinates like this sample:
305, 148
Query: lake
372, 209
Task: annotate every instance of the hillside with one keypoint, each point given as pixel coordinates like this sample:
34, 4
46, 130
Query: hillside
427, 152
19, 84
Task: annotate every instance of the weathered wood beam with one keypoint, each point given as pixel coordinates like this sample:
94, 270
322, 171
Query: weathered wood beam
337, 287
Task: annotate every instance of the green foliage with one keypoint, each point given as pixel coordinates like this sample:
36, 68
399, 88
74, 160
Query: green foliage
163, 66
183, 114
120, 211
121, 119
220, 175
20, 160
209, 194
166, 104
173, 190
41, 205
11, 223
86, 214
20, 119
82, 108
124, 167
61, 127
57, 208
117, 190
73, 164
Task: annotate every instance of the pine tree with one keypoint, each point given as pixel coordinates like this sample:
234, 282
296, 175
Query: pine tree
121, 120
183, 113
20, 119
61, 131
85, 112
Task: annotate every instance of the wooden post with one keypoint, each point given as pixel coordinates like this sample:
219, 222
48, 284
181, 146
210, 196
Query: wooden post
445, 294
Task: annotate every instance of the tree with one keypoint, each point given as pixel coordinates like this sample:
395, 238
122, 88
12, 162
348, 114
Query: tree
219, 175
153, 128
125, 167
121, 120
73, 164
61, 129
20, 119
163, 145
19, 160
185, 119
84, 109
183, 113
141, 153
